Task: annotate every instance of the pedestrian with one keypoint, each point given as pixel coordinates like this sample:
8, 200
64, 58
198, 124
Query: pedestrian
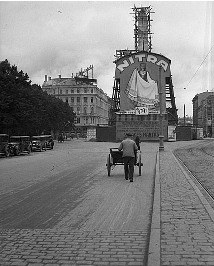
129, 148
137, 141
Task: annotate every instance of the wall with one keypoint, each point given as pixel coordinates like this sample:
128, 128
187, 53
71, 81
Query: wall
106, 133
146, 127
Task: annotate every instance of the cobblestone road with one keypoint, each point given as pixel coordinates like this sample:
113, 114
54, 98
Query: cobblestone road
55, 247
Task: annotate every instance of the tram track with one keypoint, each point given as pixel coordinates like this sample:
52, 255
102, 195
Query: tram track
198, 162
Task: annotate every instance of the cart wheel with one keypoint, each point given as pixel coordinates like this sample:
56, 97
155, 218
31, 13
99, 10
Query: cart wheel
108, 165
139, 163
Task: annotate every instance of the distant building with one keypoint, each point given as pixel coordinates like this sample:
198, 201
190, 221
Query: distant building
89, 102
185, 122
203, 112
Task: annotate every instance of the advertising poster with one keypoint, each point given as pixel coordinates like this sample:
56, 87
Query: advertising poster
139, 76
171, 133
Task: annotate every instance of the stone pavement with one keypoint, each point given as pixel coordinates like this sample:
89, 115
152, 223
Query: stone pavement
183, 220
57, 247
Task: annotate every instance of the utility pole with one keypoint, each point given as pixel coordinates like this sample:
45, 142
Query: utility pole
161, 136
184, 115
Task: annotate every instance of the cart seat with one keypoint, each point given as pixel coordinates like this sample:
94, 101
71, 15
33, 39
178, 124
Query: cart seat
116, 155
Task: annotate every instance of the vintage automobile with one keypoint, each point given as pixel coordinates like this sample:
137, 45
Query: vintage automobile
4, 148
49, 142
39, 143
19, 144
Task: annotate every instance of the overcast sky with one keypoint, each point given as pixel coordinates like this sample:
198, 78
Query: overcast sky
52, 38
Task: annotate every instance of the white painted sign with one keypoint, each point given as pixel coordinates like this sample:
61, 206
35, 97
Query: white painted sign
126, 112
142, 110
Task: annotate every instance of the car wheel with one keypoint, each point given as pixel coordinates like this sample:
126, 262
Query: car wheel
7, 152
17, 152
29, 150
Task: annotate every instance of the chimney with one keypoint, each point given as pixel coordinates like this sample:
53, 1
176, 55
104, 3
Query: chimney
46, 78
59, 76
49, 78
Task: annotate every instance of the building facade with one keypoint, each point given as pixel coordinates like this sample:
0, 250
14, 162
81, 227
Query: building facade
89, 102
203, 112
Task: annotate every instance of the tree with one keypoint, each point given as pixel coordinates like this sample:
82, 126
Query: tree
25, 108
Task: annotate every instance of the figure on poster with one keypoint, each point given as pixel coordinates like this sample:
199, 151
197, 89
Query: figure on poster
141, 88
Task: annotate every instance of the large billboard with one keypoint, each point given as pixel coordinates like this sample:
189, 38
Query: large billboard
142, 77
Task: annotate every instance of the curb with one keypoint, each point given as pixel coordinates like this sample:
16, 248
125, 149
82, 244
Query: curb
154, 242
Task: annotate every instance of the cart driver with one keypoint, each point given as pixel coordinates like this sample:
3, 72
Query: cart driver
129, 148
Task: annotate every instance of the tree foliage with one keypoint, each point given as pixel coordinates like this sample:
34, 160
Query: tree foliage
25, 109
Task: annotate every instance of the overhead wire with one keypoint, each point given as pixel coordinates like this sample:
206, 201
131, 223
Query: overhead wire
199, 66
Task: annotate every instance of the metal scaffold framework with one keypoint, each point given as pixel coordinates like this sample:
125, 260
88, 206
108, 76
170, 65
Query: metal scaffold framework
170, 102
83, 75
142, 28
142, 43
142, 37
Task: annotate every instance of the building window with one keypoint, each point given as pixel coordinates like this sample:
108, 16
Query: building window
72, 99
85, 110
85, 90
78, 110
92, 110
66, 91
72, 90
78, 99
86, 120
60, 91
85, 99
78, 120
92, 91
66, 99
92, 99
78, 90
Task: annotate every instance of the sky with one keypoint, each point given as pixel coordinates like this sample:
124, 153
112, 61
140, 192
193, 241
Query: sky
61, 37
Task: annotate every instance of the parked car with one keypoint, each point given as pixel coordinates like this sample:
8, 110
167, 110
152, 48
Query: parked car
39, 143
19, 144
4, 148
49, 142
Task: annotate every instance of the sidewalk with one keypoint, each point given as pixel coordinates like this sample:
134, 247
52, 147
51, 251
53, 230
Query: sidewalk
182, 230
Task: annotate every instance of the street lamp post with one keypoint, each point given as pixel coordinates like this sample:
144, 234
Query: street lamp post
161, 135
